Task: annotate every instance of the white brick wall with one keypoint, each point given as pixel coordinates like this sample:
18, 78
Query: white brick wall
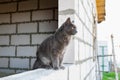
7, 71
26, 51
27, 28
24, 24
48, 26
80, 51
7, 29
11, 7
37, 39
21, 17
19, 63
32, 62
20, 39
28, 5
7, 51
49, 4
42, 15
4, 18
4, 40
3, 62
67, 4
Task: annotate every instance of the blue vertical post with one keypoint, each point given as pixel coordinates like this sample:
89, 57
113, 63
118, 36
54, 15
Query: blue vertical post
103, 53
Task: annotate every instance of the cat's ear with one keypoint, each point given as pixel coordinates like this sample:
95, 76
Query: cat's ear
68, 21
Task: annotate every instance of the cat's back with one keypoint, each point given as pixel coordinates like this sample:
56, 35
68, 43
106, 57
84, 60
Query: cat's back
48, 40
46, 44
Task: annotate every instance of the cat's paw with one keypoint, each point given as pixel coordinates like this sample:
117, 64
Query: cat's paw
56, 68
48, 67
62, 67
45, 66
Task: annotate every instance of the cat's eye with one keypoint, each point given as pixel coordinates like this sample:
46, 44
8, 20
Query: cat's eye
73, 27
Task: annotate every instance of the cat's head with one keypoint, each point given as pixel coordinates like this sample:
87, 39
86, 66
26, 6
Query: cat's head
69, 27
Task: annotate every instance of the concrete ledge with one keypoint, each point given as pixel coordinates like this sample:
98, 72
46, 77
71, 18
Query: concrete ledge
71, 72
42, 74
39, 74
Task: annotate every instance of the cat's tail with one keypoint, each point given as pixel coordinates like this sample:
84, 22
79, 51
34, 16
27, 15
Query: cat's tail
37, 62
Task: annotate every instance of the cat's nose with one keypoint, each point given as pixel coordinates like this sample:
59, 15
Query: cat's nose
76, 32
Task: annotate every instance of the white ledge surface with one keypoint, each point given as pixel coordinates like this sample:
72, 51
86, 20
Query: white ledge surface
41, 74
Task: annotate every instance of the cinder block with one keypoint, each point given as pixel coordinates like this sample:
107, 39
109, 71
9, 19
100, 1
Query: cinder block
32, 62
19, 63
48, 26
27, 28
4, 18
64, 6
4, 0
48, 3
20, 39
7, 29
26, 51
21, 17
4, 40
83, 71
28, 5
37, 39
18, 0
42, 15
3, 62
56, 14
8, 7
7, 51
7, 71
20, 71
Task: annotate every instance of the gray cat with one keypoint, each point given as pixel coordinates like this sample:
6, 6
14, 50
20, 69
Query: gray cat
51, 51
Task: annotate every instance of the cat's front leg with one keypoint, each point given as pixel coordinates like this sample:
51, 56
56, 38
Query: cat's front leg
55, 62
61, 59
